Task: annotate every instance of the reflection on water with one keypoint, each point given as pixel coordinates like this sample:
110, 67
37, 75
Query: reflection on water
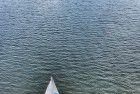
89, 46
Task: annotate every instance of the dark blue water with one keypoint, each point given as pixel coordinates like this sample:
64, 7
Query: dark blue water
89, 46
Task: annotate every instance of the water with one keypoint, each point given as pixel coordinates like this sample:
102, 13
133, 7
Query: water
89, 46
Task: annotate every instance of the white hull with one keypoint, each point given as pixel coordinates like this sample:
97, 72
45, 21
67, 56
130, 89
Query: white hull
51, 89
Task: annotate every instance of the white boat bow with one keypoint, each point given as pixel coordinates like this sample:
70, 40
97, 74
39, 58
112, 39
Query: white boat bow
51, 89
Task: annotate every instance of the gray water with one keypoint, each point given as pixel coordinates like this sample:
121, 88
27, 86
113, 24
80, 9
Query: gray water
88, 46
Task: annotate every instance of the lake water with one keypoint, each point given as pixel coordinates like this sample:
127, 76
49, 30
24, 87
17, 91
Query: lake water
88, 46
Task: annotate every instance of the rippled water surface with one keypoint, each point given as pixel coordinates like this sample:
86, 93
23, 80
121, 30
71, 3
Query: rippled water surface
89, 46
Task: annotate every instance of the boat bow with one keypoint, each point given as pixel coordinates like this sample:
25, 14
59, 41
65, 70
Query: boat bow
51, 89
